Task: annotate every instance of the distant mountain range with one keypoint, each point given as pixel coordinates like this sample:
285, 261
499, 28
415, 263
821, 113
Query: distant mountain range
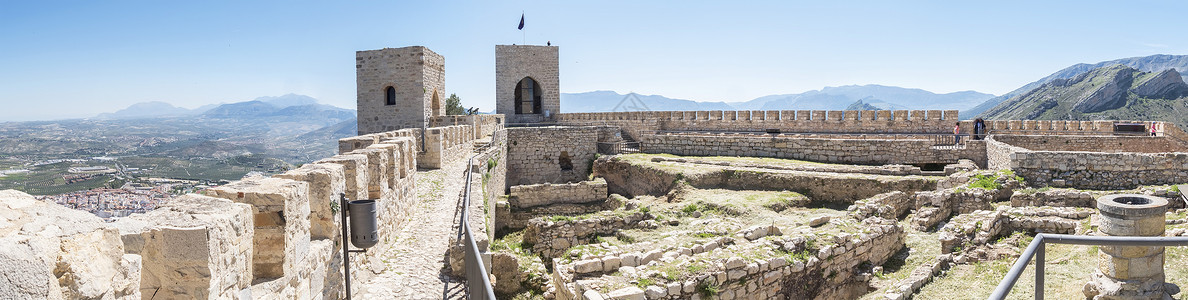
607, 101
1116, 92
285, 105
829, 98
1153, 63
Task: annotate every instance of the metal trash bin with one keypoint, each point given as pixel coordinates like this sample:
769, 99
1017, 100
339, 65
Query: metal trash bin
364, 225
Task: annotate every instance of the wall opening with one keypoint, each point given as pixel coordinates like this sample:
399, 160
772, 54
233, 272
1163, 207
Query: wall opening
565, 161
390, 96
528, 94
435, 104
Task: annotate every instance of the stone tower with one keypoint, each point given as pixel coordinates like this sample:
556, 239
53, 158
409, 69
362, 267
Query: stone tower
398, 88
527, 83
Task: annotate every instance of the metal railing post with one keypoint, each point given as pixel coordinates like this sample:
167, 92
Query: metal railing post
1039, 271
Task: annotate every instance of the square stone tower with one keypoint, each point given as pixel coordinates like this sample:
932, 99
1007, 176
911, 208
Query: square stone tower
527, 83
398, 88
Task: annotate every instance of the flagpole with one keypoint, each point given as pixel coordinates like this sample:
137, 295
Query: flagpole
523, 34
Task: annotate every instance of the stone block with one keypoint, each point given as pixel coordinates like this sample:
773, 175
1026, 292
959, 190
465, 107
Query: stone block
51, 252
325, 181
282, 217
194, 247
355, 176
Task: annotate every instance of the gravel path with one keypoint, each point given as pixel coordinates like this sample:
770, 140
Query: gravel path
416, 266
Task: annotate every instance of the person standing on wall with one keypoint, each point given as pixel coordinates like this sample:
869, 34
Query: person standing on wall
1152, 129
957, 133
979, 128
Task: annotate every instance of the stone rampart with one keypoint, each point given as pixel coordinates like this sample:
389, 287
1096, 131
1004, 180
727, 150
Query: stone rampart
526, 196
219, 235
853, 151
431, 147
550, 154
916, 121
262, 237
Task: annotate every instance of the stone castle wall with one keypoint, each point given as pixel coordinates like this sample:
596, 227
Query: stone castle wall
526, 196
260, 237
853, 151
1091, 170
515, 62
1139, 144
801, 121
539, 154
418, 76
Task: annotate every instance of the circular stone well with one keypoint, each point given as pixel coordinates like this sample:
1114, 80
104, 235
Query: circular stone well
1129, 272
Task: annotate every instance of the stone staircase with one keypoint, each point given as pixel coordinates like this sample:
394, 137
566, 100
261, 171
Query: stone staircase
481, 145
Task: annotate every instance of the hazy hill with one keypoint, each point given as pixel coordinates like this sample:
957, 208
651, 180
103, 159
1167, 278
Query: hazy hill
287, 100
829, 98
1153, 63
1111, 92
154, 109
606, 101
839, 98
873, 104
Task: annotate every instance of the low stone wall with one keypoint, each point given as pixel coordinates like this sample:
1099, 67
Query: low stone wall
890, 205
526, 196
849, 151
550, 154
507, 218
968, 231
1091, 170
1056, 198
552, 236
1094, 143
53, 252
657, 179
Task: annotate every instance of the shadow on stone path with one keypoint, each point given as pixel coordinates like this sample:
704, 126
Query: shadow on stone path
416, 266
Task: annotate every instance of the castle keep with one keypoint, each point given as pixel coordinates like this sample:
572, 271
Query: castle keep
591, 219
398, 88
527, 83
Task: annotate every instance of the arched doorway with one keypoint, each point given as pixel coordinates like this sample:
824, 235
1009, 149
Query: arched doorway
435, 104
528, 96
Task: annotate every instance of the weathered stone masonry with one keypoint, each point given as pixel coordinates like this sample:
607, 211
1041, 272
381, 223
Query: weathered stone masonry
550, 154
417, 77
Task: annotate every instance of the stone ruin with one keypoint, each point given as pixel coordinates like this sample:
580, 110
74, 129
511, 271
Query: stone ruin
793, 204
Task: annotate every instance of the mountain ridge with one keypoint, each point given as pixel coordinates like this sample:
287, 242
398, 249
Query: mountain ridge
1150, 63
1117, 92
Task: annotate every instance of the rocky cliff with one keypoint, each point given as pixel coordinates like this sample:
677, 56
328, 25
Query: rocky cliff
1111, 92
1153, 63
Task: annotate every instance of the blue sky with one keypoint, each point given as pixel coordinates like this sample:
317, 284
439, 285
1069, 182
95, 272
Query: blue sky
63, 59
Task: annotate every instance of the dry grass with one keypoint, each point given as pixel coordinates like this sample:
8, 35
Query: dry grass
1067, 269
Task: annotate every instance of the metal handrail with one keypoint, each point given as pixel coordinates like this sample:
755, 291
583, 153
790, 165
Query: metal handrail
1036, 250
476, 272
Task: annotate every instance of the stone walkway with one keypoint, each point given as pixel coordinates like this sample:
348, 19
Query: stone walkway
416, 266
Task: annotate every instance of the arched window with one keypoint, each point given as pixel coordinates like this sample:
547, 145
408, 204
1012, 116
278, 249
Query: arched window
527, 96
390, 96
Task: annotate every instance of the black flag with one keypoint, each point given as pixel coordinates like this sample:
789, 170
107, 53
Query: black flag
521, 22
